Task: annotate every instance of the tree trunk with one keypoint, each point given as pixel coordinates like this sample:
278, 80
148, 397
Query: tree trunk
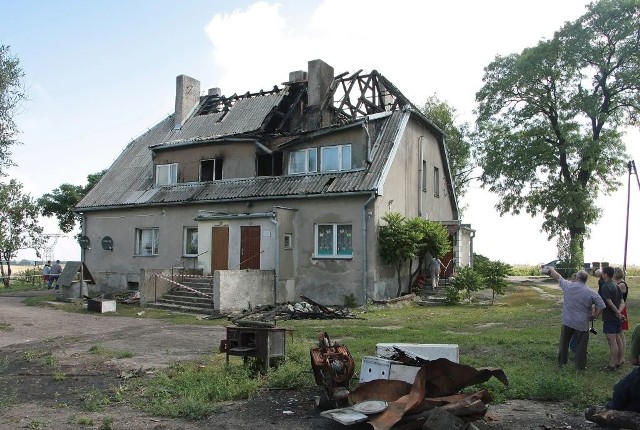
576, 247
612, 418
398, 271
5, 276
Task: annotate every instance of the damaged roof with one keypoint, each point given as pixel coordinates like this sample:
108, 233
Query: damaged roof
274, 118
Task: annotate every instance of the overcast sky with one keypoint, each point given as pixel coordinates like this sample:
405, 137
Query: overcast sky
100, 73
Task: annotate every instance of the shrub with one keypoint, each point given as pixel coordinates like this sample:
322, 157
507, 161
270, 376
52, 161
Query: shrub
467, 280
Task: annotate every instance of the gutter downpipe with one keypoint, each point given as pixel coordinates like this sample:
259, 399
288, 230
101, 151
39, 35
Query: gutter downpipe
277, 262
420, 175
365, 256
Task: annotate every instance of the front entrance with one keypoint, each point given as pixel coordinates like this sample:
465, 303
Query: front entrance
219, 248
250, 247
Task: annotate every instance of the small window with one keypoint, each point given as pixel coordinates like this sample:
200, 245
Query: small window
304, 161
336, 158
424, 176
288, 241
190, 241
334, 241
211, 170
436, 182
166, 174
146, 241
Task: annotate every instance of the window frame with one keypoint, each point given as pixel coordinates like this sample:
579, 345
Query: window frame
288, 241
307, 161
335, 255
185, 231
424, 176
341, 158
436, 182
217, 168
155, 242
172, 174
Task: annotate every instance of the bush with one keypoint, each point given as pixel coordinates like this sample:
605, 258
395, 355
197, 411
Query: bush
467, 280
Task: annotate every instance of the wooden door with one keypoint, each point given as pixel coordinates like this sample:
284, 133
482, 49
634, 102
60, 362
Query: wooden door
219, 248
250, 247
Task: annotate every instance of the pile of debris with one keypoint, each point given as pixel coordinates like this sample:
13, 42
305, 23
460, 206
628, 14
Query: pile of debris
411, 391
305, 309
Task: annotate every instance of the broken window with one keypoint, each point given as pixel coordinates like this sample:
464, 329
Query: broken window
146, 241
166, 174
269, 164
211, 170
334, 240
336, 158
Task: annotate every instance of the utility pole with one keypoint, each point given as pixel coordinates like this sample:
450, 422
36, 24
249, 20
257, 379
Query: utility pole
632, 171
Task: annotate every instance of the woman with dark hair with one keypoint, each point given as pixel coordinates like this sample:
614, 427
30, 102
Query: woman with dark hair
618, 277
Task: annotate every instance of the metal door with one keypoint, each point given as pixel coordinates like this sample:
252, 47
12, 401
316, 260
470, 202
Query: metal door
219, 248
250, 247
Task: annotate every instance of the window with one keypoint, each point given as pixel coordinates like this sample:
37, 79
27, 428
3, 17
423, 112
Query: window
288, 241
436, 182
211, 170
334, 240
190, 241
146, 241
304, 161
424, 176
166, 174
335, 158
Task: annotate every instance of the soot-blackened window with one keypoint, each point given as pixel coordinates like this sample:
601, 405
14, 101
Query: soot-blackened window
211, 170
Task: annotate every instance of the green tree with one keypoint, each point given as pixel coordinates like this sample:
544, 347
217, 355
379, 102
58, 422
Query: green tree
494, 274
457, 140
398, 243
550, 119
467, 281
62, 200
11, 94
433, 240
19, 227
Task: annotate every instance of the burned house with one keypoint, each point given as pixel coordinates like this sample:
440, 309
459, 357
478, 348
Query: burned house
292, 182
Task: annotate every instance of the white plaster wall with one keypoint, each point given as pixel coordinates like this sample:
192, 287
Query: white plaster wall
242, 289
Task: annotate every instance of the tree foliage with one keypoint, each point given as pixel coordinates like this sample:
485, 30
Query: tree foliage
402, 240
457, 139
467, 281
19, 227
398, 243
494, 274
62, 200
11, 94
550, 119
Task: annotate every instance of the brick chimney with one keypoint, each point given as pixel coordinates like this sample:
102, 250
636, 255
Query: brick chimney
319, 78
187, 97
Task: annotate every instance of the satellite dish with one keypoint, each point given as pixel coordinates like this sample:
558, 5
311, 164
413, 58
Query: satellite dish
107, 243
84, 242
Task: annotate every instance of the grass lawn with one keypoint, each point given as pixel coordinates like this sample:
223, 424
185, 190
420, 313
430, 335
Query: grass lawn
519, 334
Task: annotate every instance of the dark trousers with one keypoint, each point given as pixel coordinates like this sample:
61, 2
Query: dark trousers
582, 341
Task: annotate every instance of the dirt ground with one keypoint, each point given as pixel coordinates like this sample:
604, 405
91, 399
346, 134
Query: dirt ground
32, 397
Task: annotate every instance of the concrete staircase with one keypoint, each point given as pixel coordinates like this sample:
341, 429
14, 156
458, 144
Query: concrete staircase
433, 298
191, 299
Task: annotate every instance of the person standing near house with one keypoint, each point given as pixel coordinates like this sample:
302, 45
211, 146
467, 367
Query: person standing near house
612, 318
46, 270
580, 306
56, 269
618, 278
436, 264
